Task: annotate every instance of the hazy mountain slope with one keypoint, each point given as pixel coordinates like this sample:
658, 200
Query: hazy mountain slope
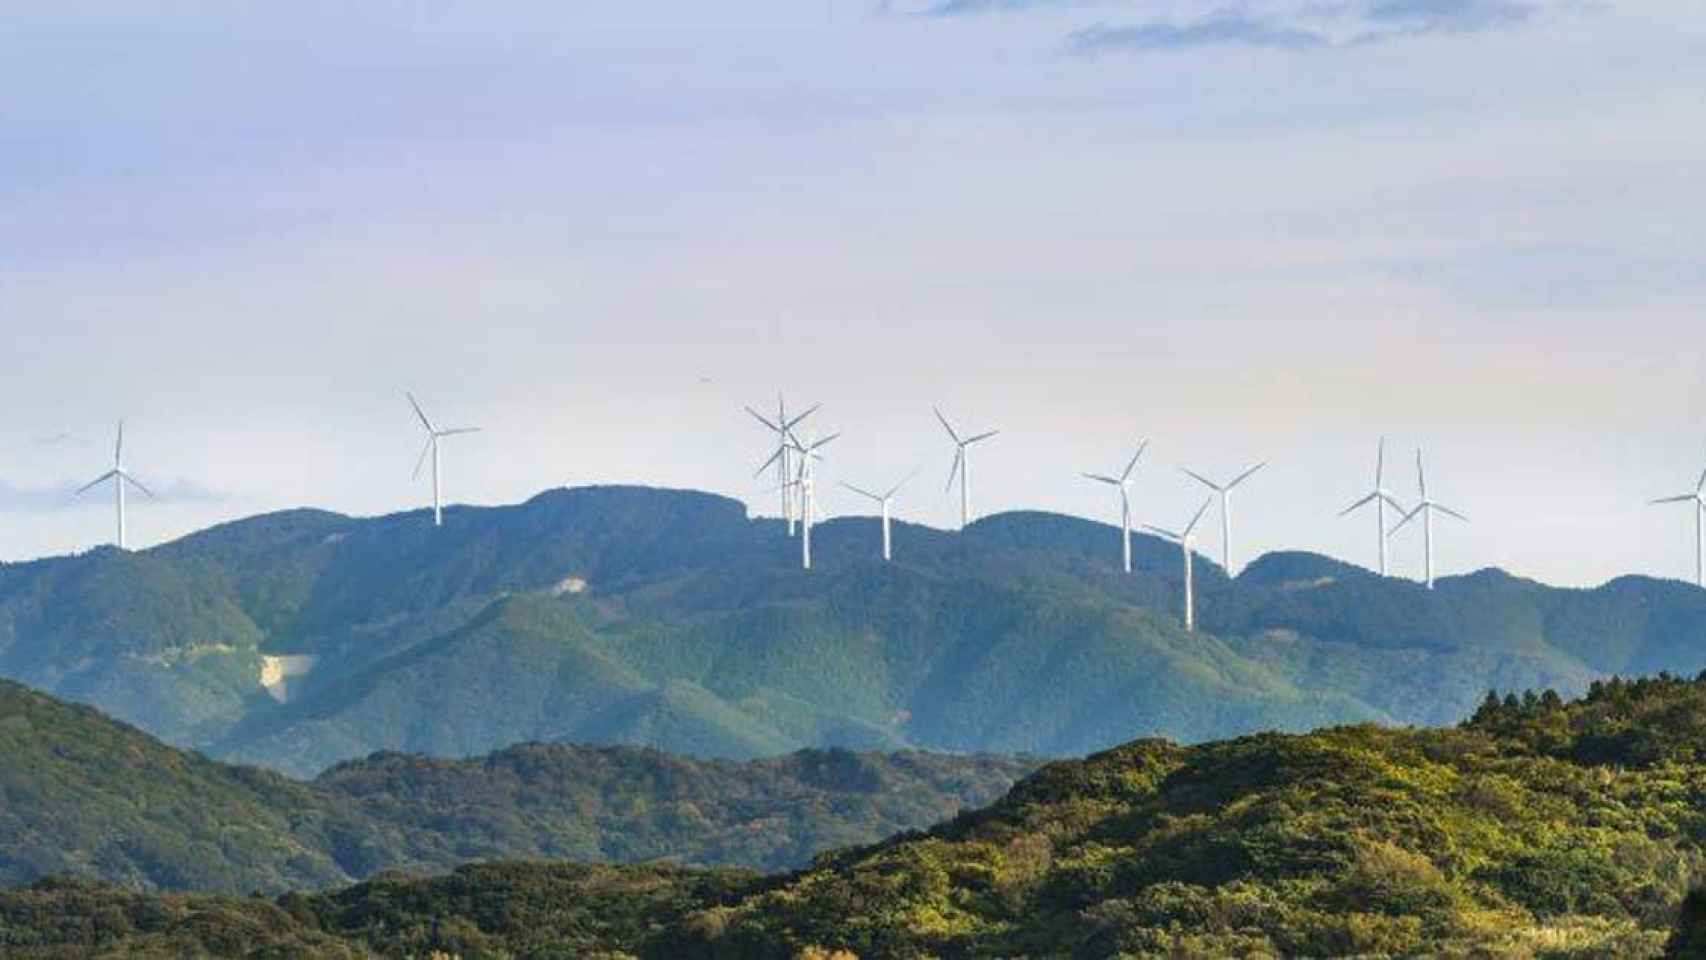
872, 656
670, 619
84, 795
769, 813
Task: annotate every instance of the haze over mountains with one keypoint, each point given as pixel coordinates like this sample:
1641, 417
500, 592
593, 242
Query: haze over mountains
671, 619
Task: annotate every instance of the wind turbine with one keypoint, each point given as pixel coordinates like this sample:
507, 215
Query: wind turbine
783, 457
1123, 484
119, 476
806, 480
1183, 539
434, 435
1426, 509
962, 465
1381, 498
884, 500
1698, 498
1225, 491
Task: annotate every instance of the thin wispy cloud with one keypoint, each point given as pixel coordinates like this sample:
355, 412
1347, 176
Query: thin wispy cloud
1292, 26
1218, 31
1451, 15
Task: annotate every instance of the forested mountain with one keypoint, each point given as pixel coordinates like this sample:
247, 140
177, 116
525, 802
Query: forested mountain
671, 619
1539, 828
83, 795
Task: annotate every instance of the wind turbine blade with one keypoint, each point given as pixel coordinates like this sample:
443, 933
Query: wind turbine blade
1418, 508
118, 448
1201, 479
1165, 533
418, 411
1364, 501
1421, 475
127, 478
981, 436
1200, 511
1451, 513
904, 481
1102, 478
422, 461
1701, 486
945, 425
861, 491
1686, 496
954, 471
92, 484
762, 419
1246, 475
791, 424
1380, 463
773, 458
819, 443
1126, 473
1392, 502
459, 430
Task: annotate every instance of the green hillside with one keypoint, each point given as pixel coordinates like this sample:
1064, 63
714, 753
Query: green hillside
670, 619
1539, 828
81, 795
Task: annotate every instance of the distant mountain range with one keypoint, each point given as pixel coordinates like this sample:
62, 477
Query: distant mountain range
82, 795
670, 619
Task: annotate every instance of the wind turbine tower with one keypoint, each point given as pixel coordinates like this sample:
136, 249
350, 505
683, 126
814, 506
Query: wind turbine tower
1698, 498
1122, 483
1184, 539
1426, 509
885, 501
806, 480
1381, 500
782, 426
434, 435
962, 465
119, 476
1225, 492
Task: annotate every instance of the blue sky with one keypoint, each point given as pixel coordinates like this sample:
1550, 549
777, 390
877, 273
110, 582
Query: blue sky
1273, 229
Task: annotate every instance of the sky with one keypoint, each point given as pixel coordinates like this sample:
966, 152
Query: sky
1246, 230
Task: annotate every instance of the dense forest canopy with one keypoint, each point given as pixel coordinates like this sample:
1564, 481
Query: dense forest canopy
1540, 827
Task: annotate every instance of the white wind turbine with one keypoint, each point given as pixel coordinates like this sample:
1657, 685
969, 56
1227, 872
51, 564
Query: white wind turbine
783, 456
1698, 498
883, 500
1225, 492
434, 435
1183, 538
1426, 509
1123, 484
119, 476
1381, 498
962, 465
806, 479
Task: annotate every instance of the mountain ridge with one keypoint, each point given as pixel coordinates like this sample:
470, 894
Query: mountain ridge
620, 614
89, 796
